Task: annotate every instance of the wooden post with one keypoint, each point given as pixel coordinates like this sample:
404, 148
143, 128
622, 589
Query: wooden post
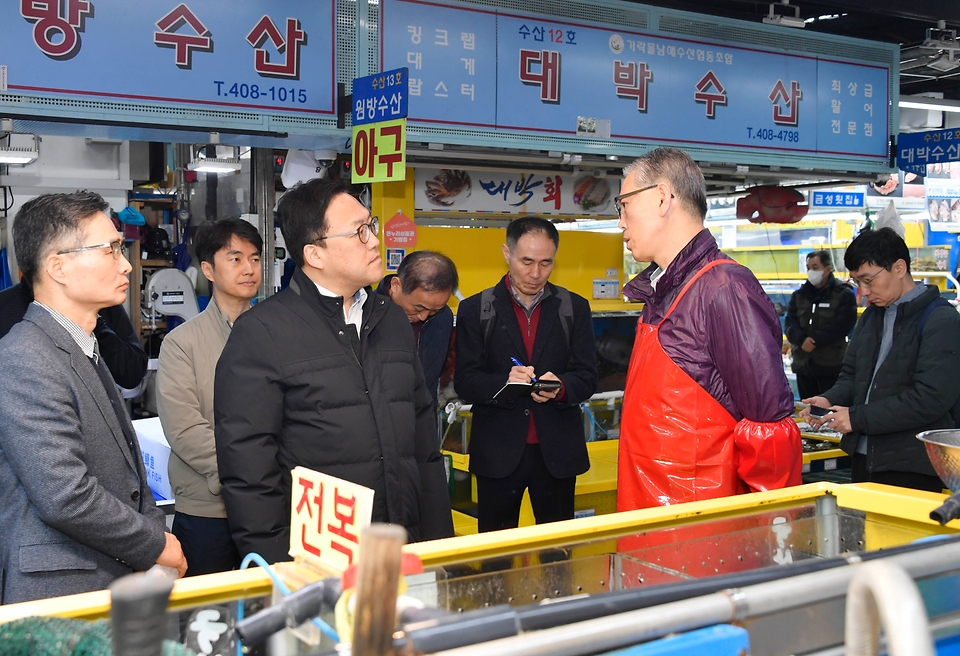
378, 575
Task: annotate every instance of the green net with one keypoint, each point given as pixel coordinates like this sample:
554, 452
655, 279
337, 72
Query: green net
55, 636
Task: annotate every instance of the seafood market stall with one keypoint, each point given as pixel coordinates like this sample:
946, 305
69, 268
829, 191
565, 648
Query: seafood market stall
684, 556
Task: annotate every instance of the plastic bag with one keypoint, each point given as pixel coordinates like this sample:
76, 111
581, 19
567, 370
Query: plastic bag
889, 217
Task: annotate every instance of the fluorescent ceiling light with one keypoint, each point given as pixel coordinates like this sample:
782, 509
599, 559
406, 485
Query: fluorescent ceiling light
214, 165
784, 20
929, 104
20, 148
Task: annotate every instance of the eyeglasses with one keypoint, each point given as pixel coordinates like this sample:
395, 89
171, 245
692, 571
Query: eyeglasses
363, 232
617, 199
115, 246
868, 281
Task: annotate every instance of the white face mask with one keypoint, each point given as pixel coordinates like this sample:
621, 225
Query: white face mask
815, 277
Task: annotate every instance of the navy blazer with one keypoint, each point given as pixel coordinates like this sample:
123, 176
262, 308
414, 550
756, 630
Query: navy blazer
499, 430
75, 509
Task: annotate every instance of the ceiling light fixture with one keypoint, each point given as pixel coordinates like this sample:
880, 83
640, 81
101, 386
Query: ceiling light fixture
214, 157
785, 20
929, 104
17, 149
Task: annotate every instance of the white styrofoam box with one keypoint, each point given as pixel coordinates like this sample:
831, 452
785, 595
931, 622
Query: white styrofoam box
156, 455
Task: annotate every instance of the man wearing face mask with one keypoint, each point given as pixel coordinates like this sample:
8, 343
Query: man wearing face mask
820, 316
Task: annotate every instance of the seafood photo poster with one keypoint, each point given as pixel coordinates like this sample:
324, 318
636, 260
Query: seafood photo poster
507, 193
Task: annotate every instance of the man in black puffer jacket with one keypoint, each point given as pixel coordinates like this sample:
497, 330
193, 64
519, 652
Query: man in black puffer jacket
325, 375
899, 376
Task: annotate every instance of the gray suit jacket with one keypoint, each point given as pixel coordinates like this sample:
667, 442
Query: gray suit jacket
75, 509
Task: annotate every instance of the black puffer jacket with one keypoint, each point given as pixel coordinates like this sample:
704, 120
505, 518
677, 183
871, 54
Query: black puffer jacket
295, 387
916, 388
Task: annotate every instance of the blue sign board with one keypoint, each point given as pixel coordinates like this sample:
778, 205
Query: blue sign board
836, 199
917, 149
452, 57
541, 73
380, 97
214, 54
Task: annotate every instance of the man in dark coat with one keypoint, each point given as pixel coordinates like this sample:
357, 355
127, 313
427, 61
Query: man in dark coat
899, 376
325, 375
820, 316
537, 441
422, 287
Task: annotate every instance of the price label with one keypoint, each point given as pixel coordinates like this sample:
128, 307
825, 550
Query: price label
327, 515
379, 152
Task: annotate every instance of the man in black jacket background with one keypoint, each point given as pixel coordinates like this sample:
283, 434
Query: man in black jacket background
820, 316
422, 286
526, 328
899, 376
325, 375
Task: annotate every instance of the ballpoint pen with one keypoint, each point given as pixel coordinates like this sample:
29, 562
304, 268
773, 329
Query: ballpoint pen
533, 379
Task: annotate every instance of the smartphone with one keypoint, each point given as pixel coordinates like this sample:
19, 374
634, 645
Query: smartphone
819, 412
545, 386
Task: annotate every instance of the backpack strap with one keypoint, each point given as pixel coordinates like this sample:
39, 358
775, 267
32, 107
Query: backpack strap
488, 313
927, 311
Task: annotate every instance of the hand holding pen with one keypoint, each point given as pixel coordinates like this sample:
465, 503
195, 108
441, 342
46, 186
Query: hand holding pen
520, 373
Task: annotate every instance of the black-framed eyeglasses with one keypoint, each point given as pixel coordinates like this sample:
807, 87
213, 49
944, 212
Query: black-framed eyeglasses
617, 199
115, 246
363, 232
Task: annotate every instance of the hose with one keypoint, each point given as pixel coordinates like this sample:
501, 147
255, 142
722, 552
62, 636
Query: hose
950, 510
883, 594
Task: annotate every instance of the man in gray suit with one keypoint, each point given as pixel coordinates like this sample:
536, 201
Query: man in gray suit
75, 509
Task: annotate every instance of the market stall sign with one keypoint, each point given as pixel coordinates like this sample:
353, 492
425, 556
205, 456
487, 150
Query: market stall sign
917, 149
837, 199
454, 190
327, 515
380, 97
379, 152
482, 69
400, 232
192, 53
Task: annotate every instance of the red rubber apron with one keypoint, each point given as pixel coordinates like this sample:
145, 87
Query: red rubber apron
676, 441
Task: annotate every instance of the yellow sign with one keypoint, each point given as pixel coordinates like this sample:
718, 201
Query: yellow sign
380, 152
326, 517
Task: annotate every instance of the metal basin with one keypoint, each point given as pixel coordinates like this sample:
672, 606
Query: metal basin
943, 449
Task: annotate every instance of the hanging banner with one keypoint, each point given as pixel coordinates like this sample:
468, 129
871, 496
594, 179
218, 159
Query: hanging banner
379, 152
553, 76
942, 184
451, 190
207, 53
400, 232
917, 150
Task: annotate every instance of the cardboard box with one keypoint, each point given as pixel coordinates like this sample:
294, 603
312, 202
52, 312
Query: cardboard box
156, 454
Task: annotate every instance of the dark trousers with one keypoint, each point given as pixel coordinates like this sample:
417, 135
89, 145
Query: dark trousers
499, 499
207, 544
859, 474
815, 384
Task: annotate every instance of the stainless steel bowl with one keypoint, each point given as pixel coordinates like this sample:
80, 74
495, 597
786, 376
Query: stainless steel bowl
943, 449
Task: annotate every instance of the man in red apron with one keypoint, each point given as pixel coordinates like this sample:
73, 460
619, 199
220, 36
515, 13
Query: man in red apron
706, 410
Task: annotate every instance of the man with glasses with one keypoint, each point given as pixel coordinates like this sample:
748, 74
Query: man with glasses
707, 408
75, 508
899, 376
325, 375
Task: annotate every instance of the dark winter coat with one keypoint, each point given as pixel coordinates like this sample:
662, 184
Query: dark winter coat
827, 314
499, 430
294, 386
434, 341
916, 387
